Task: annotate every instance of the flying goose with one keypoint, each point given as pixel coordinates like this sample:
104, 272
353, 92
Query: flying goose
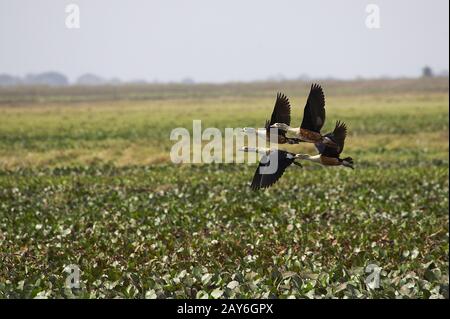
329, 156
271, 166
313, 120
274, 162
281, 114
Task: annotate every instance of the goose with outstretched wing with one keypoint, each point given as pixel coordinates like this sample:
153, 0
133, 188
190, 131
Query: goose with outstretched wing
271, 167
330, 156
281, 114
313, 120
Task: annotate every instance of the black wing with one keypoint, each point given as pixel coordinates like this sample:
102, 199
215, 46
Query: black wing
314, 112
271, 168
338, 136
281, 111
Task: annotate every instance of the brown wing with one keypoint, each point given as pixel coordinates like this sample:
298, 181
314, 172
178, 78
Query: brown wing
314, 111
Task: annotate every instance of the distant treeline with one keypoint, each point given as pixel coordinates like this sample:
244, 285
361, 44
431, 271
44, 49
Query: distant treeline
53, 79
59, 79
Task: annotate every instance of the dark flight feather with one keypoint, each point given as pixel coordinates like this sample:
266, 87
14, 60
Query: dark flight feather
266, 174
314, 111
281, 111
281, 114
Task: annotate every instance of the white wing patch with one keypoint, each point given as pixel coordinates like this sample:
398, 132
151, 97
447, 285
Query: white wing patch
318, 121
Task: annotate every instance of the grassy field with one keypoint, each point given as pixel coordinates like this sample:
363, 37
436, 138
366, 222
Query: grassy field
85, 179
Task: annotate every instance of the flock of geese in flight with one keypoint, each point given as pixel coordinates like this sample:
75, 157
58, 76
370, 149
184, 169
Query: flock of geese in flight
278, 130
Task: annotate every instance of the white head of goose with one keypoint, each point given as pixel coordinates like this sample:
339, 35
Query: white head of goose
329, 156
313, 120
271, 166
281, 114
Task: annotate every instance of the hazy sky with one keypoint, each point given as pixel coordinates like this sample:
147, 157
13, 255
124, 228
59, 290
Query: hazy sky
223, 40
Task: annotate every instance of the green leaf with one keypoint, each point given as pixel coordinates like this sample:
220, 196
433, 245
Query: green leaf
206, 278
233, 284
151, 294
216, 293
